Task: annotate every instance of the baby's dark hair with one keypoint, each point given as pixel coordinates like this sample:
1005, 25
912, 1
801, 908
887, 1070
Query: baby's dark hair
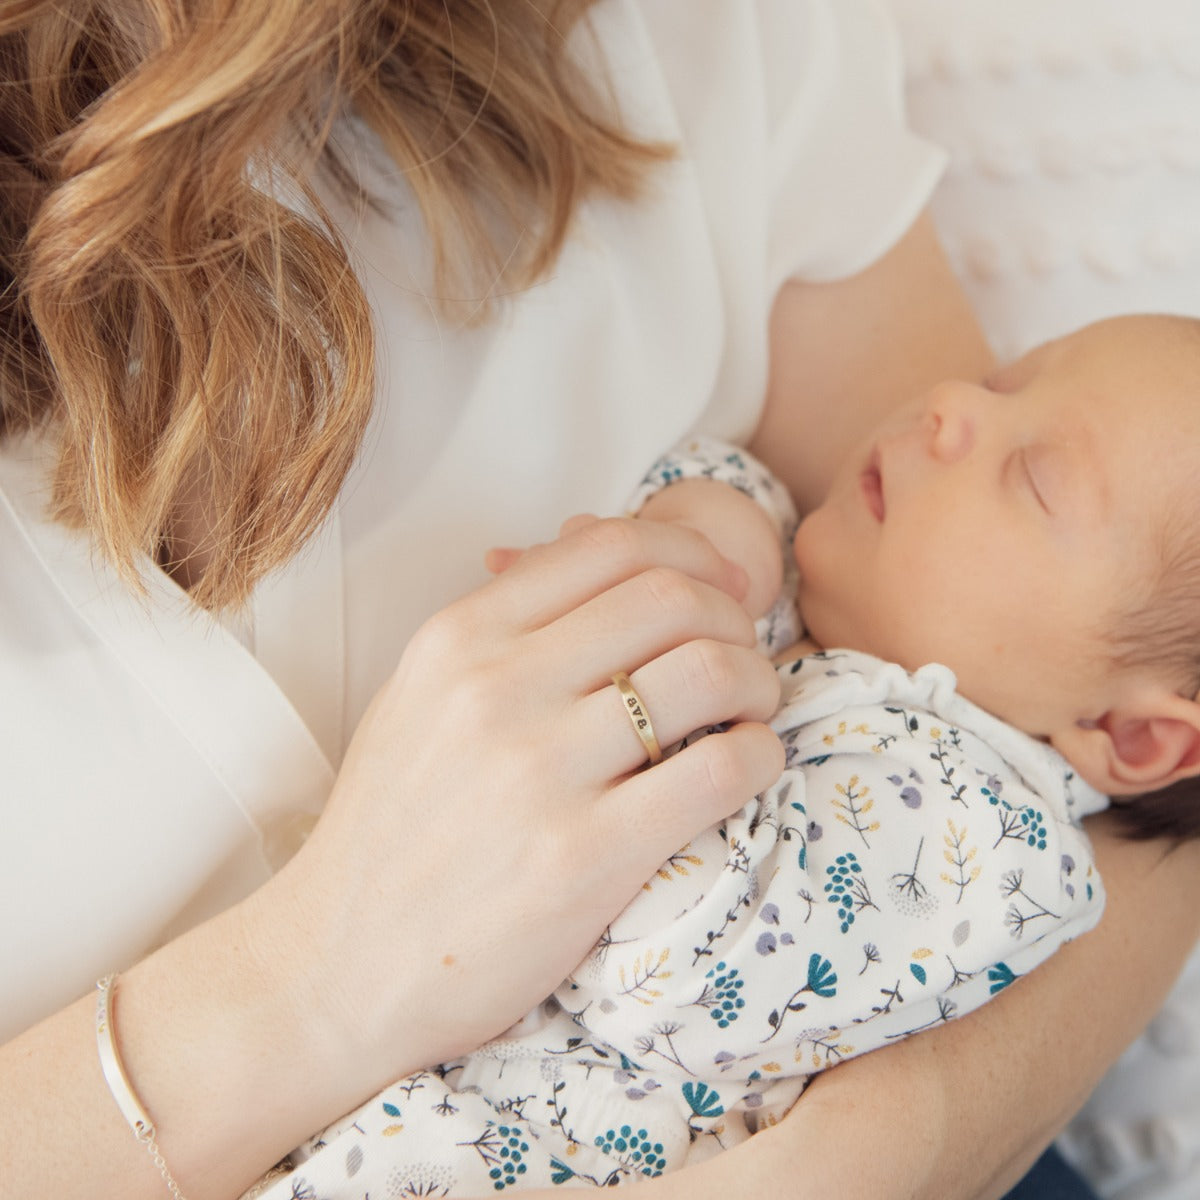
1172, 813
1163, 632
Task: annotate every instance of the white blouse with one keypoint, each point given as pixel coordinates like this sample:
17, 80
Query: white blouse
158, 765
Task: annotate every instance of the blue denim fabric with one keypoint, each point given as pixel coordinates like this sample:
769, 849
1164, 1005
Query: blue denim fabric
1052, 1178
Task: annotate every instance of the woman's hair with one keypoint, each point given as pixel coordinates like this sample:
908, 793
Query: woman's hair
176, 304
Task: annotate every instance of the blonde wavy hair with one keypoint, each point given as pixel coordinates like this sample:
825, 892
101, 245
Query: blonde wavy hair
203, 351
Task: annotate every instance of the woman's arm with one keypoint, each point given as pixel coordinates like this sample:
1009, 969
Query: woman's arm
489, 819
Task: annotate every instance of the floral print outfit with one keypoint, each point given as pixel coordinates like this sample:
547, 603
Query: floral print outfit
916, 857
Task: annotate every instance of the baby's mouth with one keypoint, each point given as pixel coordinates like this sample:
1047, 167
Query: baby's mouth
871, 483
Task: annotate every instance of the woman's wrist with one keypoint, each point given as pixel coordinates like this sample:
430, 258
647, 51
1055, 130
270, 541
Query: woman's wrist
226, 1054
216, 1046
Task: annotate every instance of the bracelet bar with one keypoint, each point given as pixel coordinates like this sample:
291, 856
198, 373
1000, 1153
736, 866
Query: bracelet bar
114, 1069
122, 1091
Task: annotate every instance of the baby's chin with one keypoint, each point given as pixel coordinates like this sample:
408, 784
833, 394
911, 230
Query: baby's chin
832, 630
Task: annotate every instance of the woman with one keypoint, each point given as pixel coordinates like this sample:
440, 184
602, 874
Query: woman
554, 283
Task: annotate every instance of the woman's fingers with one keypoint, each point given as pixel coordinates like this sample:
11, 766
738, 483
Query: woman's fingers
634, 622
498, 559
551, 580
691, 687
577, 522
660, 809
501, 745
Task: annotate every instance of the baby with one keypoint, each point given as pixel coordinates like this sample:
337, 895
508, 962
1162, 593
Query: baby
1025, 542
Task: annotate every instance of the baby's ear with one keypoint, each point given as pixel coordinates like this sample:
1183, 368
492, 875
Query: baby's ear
1139, 747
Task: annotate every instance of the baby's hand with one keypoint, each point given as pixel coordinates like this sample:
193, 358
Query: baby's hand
733, 523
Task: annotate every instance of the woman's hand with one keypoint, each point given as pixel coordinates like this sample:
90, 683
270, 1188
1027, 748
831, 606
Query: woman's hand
493, 813
491, 817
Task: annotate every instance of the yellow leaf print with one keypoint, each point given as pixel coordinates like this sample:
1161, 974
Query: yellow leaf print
829, 738
676, 865
922, 953
642, 973
958, 854
392, 1130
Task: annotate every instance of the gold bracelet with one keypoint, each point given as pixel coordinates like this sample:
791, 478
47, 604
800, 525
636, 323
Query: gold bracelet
118, 1082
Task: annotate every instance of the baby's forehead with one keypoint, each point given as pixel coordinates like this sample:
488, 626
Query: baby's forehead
1136, 376
1166, 341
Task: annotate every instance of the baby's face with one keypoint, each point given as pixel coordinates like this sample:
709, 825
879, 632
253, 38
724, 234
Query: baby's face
999, 528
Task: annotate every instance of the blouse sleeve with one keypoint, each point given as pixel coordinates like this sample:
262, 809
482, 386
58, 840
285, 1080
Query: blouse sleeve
846, 175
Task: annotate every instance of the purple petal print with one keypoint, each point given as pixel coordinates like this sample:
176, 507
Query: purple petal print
765, 943
770, 913
911, 797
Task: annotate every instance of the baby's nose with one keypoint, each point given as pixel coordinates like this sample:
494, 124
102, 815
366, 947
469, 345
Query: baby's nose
951, 418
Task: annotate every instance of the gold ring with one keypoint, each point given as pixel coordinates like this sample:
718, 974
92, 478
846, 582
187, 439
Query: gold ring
639, 716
